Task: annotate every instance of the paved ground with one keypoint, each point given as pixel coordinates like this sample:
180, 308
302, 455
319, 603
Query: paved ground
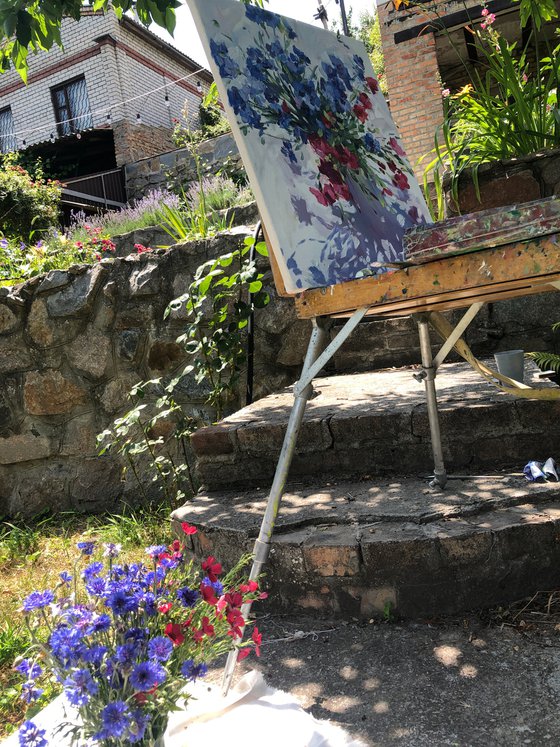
457, 682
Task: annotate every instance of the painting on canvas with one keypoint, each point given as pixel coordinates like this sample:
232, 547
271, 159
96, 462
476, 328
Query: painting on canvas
332, 181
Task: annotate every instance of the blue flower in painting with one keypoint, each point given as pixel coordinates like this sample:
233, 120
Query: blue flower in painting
79, 686
146, 675
116, 719
258, 15
359, 66
160, 648
258, 63
37, 600
192, 671
288, 151
372, 144
31, 736
228, 68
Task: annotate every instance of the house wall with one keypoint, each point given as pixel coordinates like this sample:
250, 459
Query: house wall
119, 61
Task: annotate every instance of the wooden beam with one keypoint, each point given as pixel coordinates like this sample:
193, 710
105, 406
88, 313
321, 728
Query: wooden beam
452, 282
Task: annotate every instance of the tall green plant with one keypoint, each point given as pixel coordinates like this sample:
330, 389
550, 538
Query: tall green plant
509, 108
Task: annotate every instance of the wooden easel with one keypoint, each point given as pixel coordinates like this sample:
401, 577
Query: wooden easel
434, 285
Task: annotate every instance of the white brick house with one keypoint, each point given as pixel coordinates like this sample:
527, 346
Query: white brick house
72, 107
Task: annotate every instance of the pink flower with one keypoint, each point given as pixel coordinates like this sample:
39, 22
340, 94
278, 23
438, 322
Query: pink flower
446, 93
257, 640
188, 528
400, 180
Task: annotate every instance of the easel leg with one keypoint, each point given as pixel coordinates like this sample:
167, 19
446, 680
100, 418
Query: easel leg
262, 544
429, 375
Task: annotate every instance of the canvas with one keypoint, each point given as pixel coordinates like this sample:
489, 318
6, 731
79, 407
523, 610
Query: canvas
332, 181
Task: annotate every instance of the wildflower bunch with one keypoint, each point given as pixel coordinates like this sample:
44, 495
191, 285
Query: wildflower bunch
124, 640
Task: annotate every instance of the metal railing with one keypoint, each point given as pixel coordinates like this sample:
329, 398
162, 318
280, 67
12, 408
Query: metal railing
104, 189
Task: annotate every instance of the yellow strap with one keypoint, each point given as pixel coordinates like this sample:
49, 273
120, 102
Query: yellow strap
516, 388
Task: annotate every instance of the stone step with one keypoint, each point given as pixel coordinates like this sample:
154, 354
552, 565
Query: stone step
367, 548
377, 424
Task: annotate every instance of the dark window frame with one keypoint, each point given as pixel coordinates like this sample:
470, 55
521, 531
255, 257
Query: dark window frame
3, 149
69, 121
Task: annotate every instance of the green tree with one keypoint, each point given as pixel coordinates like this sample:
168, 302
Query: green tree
34, 25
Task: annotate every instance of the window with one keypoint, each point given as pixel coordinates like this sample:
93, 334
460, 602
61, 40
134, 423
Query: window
71, 106
8, 140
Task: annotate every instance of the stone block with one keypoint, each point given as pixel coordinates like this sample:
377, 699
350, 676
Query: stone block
24, 448
77, 298
145, 281
213, 440
462, 544
115, 394
45, 332
97, 486
90, 353
14, 355
50, 393
398, 553
79, 437
128, 344
332, 552
42, 487
8, 320
53, 280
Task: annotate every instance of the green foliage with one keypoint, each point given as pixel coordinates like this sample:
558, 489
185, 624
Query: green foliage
368, 31
20, 261
28, 206
219, 302
546, 361
145, 436
509, 109
212, 122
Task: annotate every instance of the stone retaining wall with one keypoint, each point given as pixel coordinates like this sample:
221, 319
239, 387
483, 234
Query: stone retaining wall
73, 343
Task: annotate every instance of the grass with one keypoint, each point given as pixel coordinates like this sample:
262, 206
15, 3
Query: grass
32, 554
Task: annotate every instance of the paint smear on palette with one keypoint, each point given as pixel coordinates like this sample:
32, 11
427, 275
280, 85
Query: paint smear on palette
324, 158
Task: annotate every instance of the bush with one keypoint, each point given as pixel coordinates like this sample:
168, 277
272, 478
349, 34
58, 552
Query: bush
27, 206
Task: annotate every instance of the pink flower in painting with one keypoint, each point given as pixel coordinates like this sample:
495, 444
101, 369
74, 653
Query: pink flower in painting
360, 112
394, 143
372, 84
400, 180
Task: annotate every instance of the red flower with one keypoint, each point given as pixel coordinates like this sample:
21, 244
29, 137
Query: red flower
165, 607
393, 142
212, 568
234, 599
207, 629
236, 622
257, 639
360, 112
175, 633
372, 84
348, 158
400, 180
208, 594
243, 653
251, 586
188, 528
176, 546
365, 100
321, 198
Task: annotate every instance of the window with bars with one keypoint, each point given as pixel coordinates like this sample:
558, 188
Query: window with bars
71, 106
8, 140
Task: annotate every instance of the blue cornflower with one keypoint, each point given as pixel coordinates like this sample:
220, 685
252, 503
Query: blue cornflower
37, 599
137, 728
121, 602
155, 551
66, 644
160, 648
79, 686
136, 634
192, 671
31, 736
97, 587
216, 585
126, 654
4, 243
187, 597
92, 570
30, 693
29, 669
65, 577
116, 719
146, 675
111, 550
86, 547
100, 624
94, 655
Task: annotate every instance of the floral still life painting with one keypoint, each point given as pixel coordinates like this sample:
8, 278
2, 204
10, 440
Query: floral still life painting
324, 158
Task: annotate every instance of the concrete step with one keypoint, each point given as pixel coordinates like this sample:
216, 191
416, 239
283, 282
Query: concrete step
376, 424
364, 549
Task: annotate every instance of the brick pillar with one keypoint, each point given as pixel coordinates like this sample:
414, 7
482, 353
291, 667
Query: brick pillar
413, 79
